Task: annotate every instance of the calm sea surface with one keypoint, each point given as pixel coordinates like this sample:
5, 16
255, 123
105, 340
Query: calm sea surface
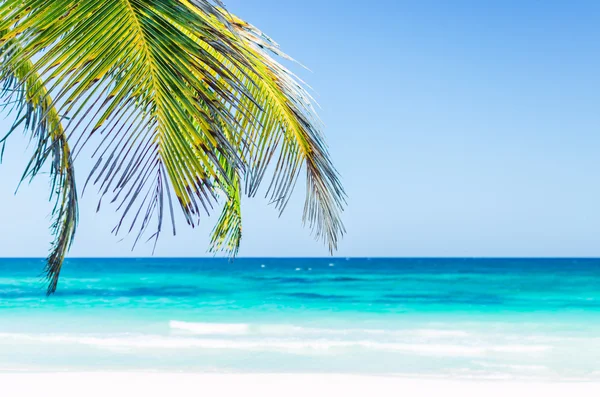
467, 318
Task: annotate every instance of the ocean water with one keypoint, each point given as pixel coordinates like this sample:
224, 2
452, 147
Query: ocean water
460, 318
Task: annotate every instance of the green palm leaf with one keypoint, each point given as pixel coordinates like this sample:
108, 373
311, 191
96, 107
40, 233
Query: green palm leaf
176, 96
288, 122
35, 111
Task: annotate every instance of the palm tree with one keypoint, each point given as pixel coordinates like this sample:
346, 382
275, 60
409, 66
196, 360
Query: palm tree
181, 100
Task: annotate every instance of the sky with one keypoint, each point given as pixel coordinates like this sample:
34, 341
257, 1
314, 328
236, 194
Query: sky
461, 128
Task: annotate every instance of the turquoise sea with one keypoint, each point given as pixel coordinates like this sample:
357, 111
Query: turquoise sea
462, 318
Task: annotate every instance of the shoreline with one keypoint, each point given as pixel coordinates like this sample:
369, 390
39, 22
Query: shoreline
150, 384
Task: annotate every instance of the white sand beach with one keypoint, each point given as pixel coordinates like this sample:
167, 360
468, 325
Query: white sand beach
267, 385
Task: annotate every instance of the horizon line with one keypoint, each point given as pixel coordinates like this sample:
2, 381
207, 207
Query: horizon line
308, 257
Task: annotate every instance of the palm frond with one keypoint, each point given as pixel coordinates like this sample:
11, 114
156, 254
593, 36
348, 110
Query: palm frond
120, 69
227, 233
280, 118
36, 113
278, 122
176, 96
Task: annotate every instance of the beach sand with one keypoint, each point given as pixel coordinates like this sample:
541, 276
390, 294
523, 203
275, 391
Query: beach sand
266, 385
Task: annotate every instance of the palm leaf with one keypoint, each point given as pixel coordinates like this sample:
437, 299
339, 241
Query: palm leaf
36, 113
159, 119
176, 96
288, 124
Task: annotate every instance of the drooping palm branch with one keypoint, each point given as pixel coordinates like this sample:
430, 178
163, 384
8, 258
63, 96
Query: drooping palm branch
177, 96
35, 112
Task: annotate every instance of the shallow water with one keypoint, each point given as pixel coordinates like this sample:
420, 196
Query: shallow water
482, 318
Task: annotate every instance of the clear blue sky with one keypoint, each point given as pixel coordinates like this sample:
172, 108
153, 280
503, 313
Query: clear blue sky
463, 128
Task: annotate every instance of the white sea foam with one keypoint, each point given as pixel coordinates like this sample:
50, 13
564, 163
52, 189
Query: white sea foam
441, 333
211, 328
515, 367
201, 328
294, 346
521, 348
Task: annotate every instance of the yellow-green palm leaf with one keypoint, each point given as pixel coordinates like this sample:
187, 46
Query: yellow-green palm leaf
177, 97
35, 112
